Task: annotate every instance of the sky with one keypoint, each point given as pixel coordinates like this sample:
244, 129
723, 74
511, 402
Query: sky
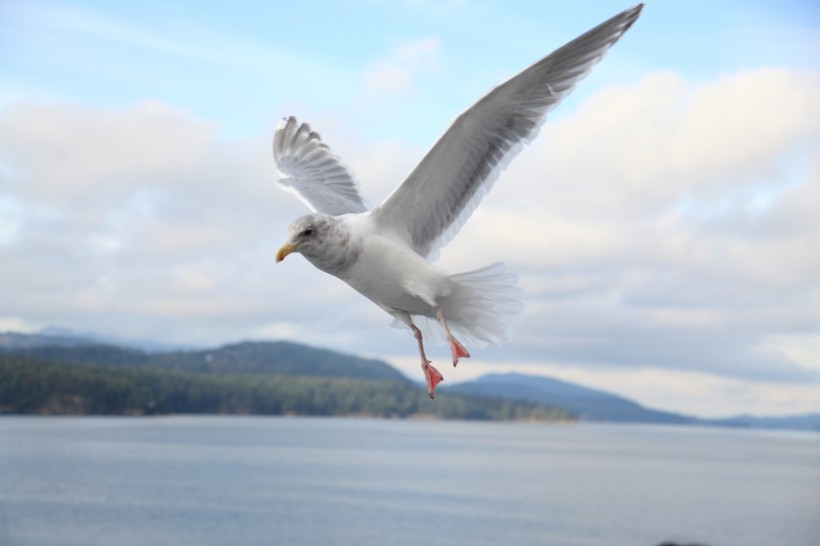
663, 226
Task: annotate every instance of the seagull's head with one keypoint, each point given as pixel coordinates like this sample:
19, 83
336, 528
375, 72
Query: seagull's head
320, 238
305, 234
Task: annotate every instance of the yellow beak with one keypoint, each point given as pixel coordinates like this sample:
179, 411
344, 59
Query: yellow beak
286, 249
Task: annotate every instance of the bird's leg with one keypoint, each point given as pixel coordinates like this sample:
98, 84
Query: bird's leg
456, 347
431, 375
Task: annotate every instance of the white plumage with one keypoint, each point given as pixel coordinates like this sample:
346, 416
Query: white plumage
383, 253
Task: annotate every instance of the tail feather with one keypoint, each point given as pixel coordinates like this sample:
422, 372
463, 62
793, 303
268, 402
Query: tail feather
485, 305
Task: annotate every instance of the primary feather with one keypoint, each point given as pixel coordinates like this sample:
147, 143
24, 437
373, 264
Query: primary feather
313, 172
435, 200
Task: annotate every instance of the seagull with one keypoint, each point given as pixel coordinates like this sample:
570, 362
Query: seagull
387, 253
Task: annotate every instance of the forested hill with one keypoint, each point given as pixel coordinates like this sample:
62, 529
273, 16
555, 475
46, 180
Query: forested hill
248, 357
245, 378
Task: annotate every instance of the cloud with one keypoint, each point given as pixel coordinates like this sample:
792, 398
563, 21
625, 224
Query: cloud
664, 226
135, 218
667, 225
397, 72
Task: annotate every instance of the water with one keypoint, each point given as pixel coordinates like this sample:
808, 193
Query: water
260, 480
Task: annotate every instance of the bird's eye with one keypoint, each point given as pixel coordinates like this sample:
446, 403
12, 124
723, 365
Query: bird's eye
307, 232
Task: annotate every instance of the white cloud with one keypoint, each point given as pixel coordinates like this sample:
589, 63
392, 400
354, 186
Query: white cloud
629, 222
139, 215
397, 72
630, 226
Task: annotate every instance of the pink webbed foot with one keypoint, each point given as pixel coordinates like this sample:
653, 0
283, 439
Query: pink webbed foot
431, 375
433, 378
457, 349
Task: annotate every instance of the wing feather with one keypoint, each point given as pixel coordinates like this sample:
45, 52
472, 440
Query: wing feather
313, 172
438, 196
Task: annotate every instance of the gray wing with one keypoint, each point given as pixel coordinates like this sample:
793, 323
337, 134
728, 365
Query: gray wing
313, 172
435, 200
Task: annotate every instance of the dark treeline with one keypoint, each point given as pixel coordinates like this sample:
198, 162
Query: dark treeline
35, 386
279, 357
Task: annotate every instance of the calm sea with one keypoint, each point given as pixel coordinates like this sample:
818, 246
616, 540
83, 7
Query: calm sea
262, 480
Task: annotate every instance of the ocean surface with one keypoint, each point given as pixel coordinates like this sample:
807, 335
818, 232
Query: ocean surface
326, 481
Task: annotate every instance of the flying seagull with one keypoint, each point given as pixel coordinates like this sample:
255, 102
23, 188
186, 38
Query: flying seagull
385, 253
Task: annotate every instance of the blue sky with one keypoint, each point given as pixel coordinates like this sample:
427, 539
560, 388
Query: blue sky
668, 209
236, 63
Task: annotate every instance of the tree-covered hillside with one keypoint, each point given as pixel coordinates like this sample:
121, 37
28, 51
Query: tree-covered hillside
36, 386
279, 357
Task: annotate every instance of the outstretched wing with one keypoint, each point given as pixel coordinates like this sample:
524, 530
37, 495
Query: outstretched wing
313, 172
435, 200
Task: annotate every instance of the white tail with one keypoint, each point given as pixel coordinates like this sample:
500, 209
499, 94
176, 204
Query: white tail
483, 308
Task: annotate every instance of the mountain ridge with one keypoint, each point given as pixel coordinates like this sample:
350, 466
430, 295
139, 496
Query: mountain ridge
258, 378
277, 357
261, 358
587, 404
